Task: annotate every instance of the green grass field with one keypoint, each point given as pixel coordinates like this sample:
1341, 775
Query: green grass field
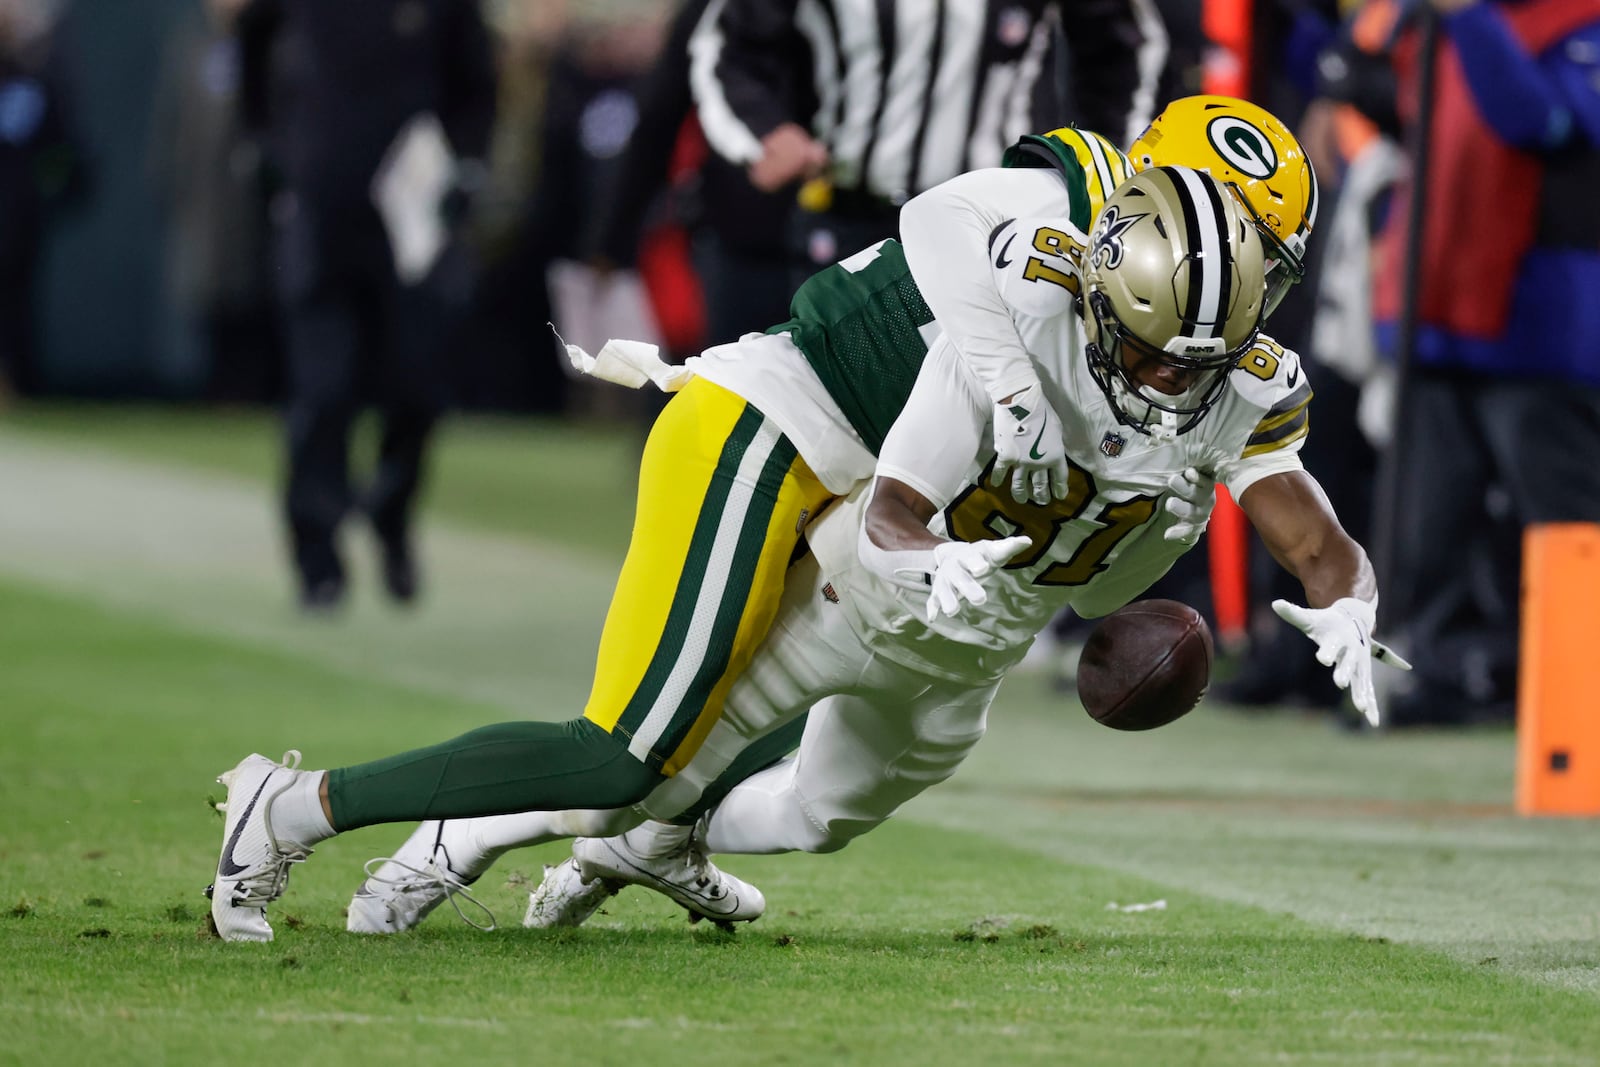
1330, 898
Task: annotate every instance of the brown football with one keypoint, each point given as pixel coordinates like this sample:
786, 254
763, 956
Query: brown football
1145, 665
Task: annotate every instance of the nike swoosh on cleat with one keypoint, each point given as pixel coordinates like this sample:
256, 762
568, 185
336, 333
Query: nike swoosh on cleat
1033, 452
1000, 260
227, 868
730, 903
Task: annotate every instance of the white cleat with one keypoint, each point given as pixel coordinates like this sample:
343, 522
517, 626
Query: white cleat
437, 863
254, 868
566, 898
687, 876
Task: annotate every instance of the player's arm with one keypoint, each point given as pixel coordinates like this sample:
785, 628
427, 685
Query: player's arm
923, 463
1298, 525
740, 53
964, 241
946, 233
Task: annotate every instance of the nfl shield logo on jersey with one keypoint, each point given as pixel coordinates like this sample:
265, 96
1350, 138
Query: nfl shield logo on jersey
1111, 444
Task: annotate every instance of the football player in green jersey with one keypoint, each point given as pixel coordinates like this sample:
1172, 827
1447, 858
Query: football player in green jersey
733, 467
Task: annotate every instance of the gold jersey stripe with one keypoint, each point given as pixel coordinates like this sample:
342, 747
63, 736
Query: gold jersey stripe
1294, 399
1284, 410
1286, 432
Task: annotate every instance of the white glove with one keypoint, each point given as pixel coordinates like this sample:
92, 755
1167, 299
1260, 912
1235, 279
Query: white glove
957, 567
1343, 633
1193, 496
1028, 446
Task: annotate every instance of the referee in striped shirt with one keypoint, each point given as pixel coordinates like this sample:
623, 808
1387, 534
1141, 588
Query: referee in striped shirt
869, 102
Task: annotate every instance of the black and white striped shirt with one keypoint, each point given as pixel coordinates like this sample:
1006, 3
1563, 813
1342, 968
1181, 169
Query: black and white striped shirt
909, 93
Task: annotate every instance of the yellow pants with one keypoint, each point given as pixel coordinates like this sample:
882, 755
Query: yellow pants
723, 498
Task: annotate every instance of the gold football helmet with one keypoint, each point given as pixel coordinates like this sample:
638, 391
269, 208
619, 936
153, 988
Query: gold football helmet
1173, 289
1247, 149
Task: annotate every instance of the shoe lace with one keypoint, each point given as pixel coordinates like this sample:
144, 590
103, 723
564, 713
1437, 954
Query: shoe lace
705, 874
268, 884
435, 875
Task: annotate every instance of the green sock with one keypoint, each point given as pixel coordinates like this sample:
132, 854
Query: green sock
496, 770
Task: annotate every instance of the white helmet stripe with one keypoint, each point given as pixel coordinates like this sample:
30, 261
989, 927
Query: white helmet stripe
1102, 166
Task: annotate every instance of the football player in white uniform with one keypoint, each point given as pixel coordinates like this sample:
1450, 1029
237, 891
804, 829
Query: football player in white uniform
1168, 375
913, 619
947, 236
827, 388
761, 435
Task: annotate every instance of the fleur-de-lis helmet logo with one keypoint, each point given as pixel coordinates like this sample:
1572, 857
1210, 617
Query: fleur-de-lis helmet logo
1105, 244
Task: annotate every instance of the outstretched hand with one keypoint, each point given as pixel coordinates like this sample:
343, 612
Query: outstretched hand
957, 568
1343, 635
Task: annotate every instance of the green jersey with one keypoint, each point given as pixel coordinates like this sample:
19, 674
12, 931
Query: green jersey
864, 329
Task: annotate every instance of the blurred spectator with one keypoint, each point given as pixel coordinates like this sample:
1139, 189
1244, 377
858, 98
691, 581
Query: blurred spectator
592, 111
505, 360
41, 170
1502, 412
1327, 320
1183, 73
885, 102
211, 183
364, 102
668, 175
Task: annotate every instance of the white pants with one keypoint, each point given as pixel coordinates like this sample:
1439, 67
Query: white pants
879, 734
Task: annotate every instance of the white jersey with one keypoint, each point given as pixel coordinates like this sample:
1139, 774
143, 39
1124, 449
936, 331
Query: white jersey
1099, 548
770, 372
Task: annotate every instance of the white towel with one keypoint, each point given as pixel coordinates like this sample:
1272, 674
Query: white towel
629, 363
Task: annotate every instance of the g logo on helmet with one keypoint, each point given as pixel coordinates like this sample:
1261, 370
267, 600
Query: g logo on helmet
1105, 246
1244, 146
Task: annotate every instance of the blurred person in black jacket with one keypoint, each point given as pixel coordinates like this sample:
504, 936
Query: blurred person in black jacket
743, 271
334, 85
41, 170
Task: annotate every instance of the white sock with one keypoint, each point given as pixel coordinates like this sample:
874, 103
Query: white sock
297, 815
657, 839
498, 833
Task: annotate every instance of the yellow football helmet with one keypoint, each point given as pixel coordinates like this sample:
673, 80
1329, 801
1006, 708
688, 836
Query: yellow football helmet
1250, 151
